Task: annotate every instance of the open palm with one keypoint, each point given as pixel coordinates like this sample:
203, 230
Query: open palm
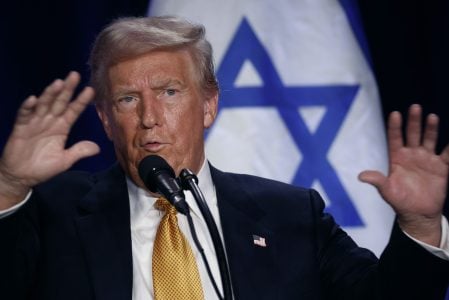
35, 150
417, 181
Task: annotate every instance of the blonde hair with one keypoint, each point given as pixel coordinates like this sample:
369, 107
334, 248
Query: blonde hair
126, 38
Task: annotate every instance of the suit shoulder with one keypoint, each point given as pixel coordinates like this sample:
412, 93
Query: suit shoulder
266, 185
268, 190
67, 182
281, 202
78, 181
75, 184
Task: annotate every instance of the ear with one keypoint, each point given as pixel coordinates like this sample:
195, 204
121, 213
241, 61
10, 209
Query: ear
210, 109
104, 120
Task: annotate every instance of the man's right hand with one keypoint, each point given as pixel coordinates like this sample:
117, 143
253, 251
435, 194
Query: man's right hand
35, 150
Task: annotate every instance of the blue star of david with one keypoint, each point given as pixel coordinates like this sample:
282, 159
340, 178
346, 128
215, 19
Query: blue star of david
314, 146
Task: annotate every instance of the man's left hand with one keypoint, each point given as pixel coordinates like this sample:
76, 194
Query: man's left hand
417, 181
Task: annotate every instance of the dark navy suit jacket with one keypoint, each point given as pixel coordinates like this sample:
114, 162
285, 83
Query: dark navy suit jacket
72, 241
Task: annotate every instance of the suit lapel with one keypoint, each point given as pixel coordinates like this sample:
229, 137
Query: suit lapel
252, 266
104, 229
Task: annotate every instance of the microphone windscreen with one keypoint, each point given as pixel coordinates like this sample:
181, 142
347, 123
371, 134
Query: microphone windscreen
149, 169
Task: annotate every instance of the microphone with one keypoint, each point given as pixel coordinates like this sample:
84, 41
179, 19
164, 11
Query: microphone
159, 177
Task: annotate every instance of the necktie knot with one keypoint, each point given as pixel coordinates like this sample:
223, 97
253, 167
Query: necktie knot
163, 205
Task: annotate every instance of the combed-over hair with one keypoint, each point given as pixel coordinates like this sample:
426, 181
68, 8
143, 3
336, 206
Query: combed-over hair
126, 38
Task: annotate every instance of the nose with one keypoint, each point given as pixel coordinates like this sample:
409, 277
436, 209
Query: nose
150, 112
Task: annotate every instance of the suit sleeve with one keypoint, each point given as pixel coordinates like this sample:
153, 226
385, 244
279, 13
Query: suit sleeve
404, 271
19, 251
30, 237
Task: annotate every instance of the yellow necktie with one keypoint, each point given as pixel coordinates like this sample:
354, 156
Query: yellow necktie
175, 273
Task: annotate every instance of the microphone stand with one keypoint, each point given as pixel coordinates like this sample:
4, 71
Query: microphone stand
189, 181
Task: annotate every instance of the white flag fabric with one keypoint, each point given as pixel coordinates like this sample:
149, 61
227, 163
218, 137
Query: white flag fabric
298, 102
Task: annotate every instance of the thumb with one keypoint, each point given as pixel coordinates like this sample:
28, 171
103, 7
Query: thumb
375, 178
81, 150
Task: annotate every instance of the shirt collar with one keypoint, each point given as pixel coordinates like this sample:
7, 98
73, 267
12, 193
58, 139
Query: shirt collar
141, 202
206, 186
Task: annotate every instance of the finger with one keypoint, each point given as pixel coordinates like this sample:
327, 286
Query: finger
79, 151
48, 96
26, 109
77, 106
414, 126
375, 178
431, 132
394, 132
59, 105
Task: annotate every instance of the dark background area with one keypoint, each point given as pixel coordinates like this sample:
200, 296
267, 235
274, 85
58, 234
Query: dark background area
43, 40
409, 45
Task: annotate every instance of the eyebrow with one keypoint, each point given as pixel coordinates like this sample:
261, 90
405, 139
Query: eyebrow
123, 90
166, 82
154, 84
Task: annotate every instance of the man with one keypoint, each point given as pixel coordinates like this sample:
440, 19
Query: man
81, 236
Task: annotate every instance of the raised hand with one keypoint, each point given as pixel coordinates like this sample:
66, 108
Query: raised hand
35, 150
417, 181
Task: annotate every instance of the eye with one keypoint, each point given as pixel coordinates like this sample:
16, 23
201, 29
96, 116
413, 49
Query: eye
171, 92
127, 99
126, 103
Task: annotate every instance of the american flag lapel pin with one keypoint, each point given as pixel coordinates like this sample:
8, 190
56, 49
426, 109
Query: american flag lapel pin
259, 241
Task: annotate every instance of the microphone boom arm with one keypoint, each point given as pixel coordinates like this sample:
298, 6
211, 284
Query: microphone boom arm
189, 182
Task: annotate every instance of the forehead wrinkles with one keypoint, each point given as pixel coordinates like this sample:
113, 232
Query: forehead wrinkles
155, 69
153, 82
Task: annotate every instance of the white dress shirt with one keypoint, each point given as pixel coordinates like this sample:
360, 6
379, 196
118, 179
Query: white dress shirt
145, 219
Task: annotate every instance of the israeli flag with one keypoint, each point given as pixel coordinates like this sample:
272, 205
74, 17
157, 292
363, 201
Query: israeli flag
298, 101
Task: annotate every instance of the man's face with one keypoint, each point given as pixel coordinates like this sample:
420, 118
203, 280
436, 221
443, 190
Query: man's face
156, 106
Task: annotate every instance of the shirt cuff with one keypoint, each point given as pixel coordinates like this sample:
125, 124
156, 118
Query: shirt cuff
443, 250
6, 212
